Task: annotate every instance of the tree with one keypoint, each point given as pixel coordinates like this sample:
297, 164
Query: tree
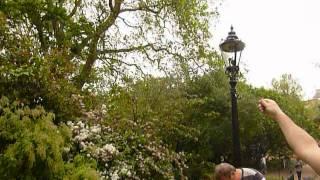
157, 105
111, 36
287, 85
61, 54
74, 46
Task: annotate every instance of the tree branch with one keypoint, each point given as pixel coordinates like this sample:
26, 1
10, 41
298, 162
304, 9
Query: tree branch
125, 50
37, 22
86, 71
127, 24
141, 9
111, 19
111, 5
75, 8
125, 63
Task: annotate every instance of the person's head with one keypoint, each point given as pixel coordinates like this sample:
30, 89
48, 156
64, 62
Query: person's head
224, 171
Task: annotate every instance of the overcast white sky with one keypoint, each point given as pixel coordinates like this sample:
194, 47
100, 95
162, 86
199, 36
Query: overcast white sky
281, 36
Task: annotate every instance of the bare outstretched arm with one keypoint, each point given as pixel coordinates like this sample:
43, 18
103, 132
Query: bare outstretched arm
303, 145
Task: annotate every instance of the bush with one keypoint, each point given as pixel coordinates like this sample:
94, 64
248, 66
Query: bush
125, 155
32, 146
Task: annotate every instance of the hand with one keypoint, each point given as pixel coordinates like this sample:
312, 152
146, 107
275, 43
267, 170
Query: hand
270, 108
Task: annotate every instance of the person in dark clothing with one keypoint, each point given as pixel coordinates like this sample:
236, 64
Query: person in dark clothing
298, 167
226, 171
291, 176
263, 165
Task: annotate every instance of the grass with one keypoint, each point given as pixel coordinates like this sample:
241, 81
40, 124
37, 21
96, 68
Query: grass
273, 177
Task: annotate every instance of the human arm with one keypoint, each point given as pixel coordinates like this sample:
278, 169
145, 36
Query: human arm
303, 145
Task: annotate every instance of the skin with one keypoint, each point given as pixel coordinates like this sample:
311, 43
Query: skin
234, 176
303, 145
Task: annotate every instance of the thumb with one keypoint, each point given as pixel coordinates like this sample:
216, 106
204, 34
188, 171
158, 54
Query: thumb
263, 102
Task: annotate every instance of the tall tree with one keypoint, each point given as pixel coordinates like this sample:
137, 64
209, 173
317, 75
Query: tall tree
115, 36
287, 85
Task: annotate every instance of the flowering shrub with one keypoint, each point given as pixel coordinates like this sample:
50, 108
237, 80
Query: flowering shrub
125, 154
33, 147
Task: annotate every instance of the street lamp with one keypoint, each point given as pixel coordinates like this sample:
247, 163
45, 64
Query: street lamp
232, 46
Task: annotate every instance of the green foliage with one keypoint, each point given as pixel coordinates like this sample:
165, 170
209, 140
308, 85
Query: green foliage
208, 110
185, 116
36, 82
287, 85
260, 135
30, 141
31, 145
193, 116
81, 168
157, 103
126, 153
60, 63
313, 110
110, 35
49, 50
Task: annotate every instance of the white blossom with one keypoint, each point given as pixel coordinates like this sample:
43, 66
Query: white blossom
96, 129
110, 148
115, 176
66, 149
70, 124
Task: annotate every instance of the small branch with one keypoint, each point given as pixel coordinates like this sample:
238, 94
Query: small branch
132, 64
121, 62
126, 23
146, 9
75, 8
125, 50
111, 5
110, 20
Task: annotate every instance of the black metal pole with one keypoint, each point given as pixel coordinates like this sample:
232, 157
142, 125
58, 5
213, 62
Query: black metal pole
235, 122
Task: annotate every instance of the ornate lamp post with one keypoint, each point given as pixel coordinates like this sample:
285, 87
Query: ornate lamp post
232, 45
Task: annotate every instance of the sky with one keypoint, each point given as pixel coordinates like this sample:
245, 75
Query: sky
281, 36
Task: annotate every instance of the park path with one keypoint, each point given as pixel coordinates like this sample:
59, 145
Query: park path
307, 174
